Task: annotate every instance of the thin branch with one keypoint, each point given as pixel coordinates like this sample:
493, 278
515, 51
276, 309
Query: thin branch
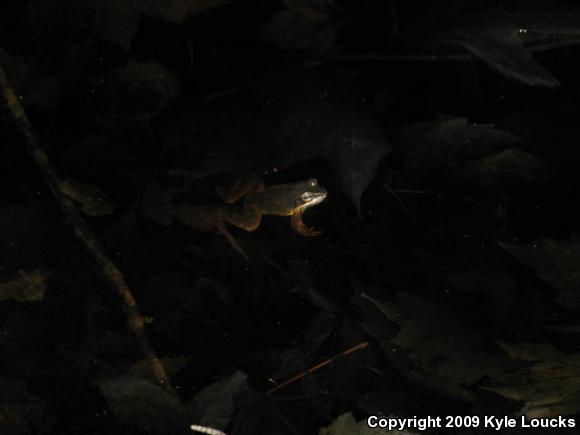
318, 366
18, 117
385, 57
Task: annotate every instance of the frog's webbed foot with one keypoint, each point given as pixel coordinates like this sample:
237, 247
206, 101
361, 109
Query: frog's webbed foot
223, 231
300, 228
243, 186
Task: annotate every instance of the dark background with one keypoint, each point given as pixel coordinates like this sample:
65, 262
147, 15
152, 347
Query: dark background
459, 269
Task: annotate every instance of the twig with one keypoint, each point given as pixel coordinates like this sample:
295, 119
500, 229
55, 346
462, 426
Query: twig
318, 366
135, 320
381, 57
385, 57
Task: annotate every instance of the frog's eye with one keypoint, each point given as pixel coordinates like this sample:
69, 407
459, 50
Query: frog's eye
312, 182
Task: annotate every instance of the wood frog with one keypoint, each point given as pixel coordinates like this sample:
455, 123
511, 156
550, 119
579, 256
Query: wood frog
289, 199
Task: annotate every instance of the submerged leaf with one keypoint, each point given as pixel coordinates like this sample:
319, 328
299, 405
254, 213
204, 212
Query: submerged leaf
117, 21
346, 424
434, 144
509, 166
550, 386
143, 406
555, 261
140, 88
26, 287
20, 412
504, 51
306, 24
215, 405
498, 37
441, 342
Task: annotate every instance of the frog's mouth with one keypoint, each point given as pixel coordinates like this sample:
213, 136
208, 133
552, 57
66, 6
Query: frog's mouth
308, 199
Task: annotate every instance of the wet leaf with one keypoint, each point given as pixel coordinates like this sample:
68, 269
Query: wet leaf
20, 412
304, 25
449, 142
441, 342
346, 424
497, 37
140, 88
550, 386
28, 286
117, 21
36, 87
140, 405
509, 166
555, 261
214, 406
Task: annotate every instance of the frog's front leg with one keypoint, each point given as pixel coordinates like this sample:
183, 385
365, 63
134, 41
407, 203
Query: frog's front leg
243, 186
299, 227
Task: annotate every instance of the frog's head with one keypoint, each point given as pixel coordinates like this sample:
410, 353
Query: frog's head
309, 193
287, 199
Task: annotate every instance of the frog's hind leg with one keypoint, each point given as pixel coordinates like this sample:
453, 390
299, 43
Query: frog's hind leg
243, 186
223, 231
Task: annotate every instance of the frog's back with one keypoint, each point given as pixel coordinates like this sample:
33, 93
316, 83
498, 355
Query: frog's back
277, 200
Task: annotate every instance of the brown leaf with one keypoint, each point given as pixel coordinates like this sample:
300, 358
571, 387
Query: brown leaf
140, 88
346, 424
550, 386
508, 166
450, 142
26, 287
20, 412
555, 261
441, 341
305, 25
176, 11
117, 21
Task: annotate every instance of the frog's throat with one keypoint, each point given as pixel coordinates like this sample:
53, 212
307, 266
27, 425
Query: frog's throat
311, 203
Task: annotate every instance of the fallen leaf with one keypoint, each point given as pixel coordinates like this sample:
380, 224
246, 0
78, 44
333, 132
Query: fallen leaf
34, 83
20, 412
510, 166
346, 424
214, 406
304, 25
450, 142
143, 406
28, 286
440, 341
177, 11
550, 386
140, 88
497, 37
117, 21
555, 261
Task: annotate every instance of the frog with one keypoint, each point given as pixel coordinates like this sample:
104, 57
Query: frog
258, 200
